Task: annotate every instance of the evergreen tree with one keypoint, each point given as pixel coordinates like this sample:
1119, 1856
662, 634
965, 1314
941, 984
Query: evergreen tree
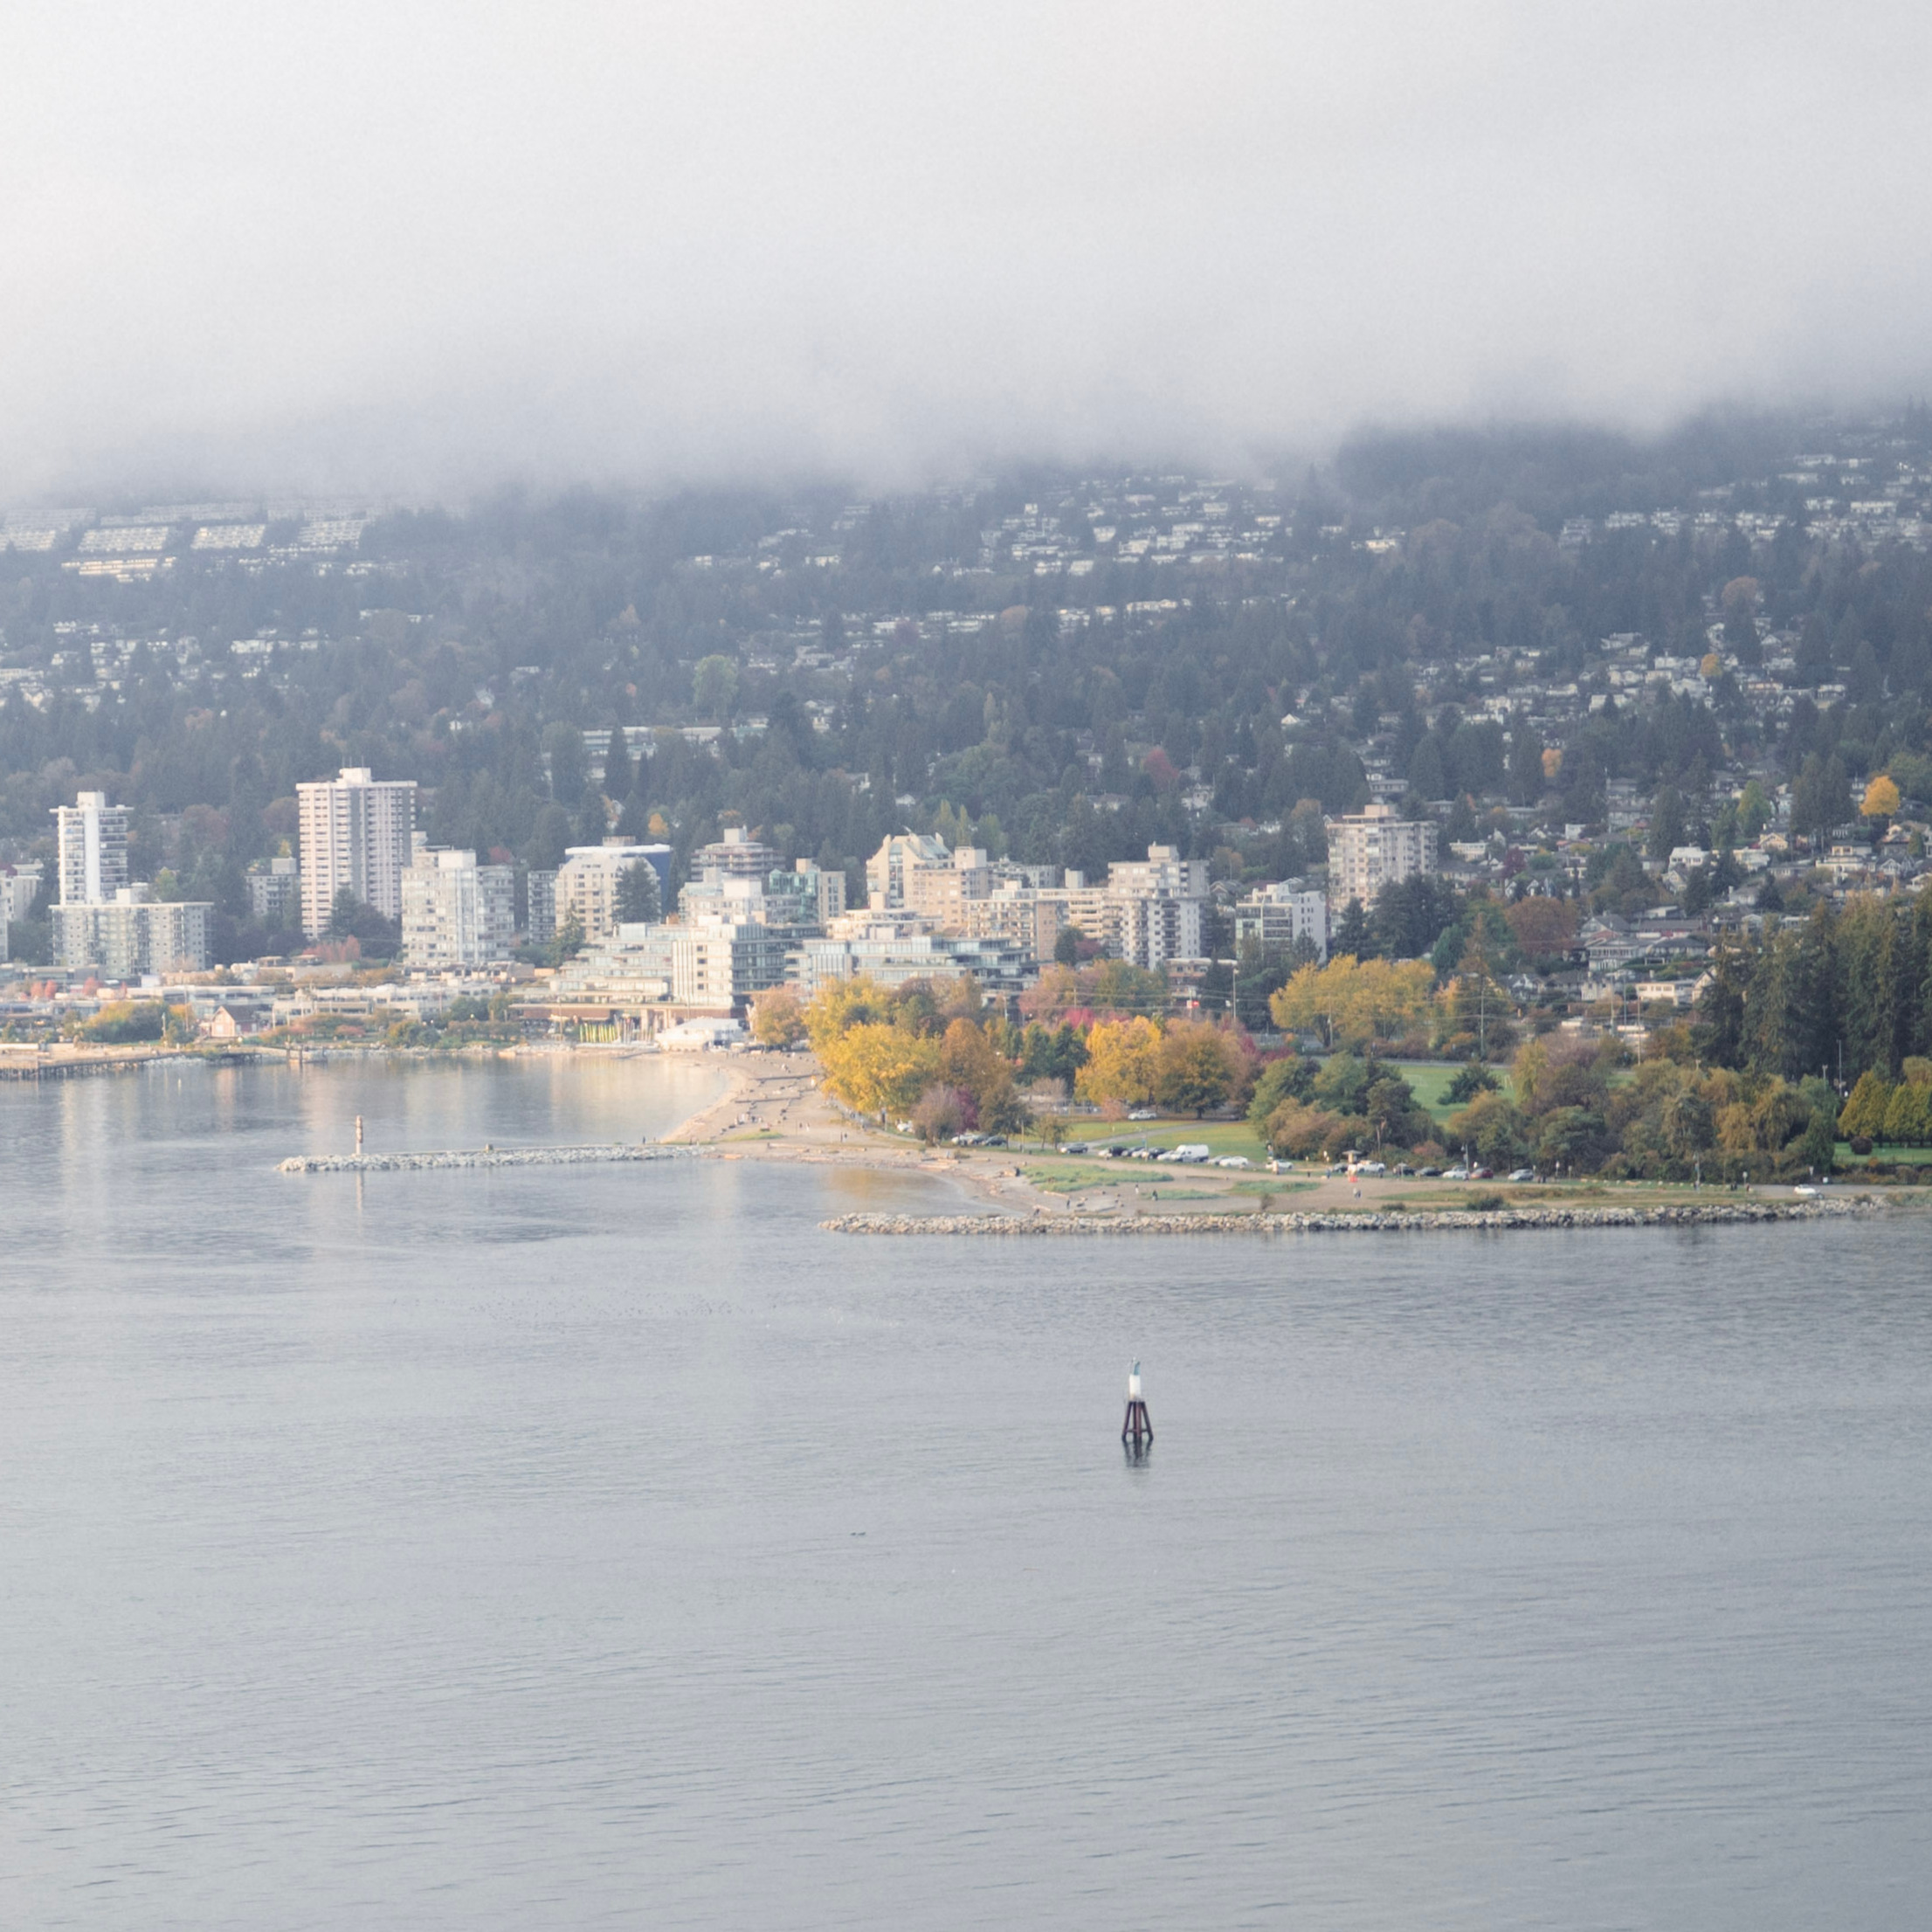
1667, 822
593, 825
1874, 987
1814, 1022
639, 900
1526, 784
616, 765
1922, 952
634, 822
1720, 1031
564, 746
1426, 776
1768, 1022
1352, 935
1412, 915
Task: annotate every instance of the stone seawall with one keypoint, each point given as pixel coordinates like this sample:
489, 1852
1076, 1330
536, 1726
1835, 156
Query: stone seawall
1716, 1214
483, 1157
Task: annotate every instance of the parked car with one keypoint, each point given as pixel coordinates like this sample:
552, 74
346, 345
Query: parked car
1403, 1169
1482, 1174
1374, 1167
1429, 1174
1455, 1174
1234, 1160
1523, 1174
1141, 1154
994, 1139
1143, 1114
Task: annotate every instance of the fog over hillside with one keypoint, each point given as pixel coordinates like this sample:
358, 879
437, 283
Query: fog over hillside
430, 251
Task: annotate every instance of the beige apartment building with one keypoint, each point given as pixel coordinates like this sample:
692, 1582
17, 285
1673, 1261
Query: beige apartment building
890, 870
1376, 847
588, 883
1151, 911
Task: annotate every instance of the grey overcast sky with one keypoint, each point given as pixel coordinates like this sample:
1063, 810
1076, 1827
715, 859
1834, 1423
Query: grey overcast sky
419, 247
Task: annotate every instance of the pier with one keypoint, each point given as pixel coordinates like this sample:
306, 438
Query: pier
481, 1156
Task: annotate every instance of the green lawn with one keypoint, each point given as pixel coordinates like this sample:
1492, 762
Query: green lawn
1430, 1081
1893, 1157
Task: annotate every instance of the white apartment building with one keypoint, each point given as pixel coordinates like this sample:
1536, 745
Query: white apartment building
1150, 913
131, 933
1276, 916
456, 912
1374, 848
714, 964
804, 898
93, 840
1150, 931
1162, 873
587, 884
355, 833
893, 956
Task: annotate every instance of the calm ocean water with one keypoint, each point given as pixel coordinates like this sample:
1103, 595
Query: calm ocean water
563, 1548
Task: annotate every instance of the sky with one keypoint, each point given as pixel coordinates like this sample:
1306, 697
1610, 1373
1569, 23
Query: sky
425, 248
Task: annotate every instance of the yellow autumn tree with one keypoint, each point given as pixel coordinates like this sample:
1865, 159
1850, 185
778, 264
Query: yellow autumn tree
1881, 798
1122, 1057
877, 1068
842, 1004
1353, 1001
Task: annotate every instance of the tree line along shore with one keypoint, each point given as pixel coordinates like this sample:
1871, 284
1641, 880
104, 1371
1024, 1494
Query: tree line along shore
1719, 1099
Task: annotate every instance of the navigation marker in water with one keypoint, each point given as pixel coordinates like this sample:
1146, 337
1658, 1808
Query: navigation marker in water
1136, 1428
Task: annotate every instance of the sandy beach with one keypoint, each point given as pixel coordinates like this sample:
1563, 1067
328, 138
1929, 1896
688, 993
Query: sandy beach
775, 1109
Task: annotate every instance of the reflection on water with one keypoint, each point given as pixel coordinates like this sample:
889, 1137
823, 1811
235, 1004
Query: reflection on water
548, 1547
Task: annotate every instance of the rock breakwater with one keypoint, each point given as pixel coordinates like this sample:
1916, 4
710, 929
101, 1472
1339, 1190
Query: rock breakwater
1687, 1214
482, 1156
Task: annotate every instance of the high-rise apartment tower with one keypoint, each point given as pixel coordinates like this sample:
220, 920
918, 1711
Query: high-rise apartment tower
354, 832
94, 849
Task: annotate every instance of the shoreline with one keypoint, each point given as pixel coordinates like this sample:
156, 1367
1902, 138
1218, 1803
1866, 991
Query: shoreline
1466, 1220
773, 1108
780, 1114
